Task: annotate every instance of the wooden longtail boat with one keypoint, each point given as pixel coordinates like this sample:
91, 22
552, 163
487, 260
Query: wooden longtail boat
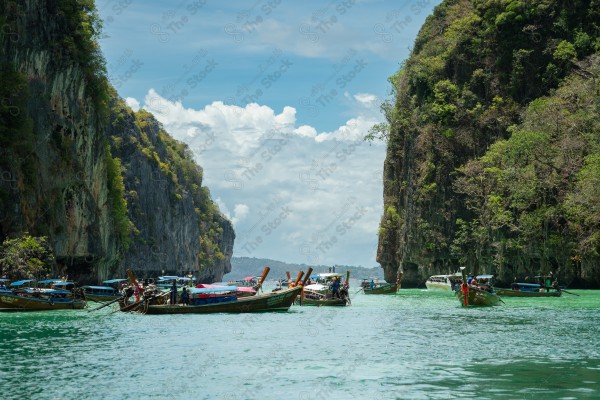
23, 298
474, 297
518, 293
528, 290
275, 301
309, 301
477, 298
34, 301
379, 287
319, 294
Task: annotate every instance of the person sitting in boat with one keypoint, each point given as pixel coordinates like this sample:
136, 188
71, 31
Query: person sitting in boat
474, 282
335, 289
484, 284
185, 297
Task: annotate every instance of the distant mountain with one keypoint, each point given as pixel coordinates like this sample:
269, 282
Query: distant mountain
247, 266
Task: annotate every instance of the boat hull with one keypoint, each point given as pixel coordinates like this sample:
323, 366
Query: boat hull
521, 293
478, 298
388, 289
275, 301
15, 302
324, 303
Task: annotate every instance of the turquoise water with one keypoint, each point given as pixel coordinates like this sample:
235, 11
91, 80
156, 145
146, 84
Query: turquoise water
414, 345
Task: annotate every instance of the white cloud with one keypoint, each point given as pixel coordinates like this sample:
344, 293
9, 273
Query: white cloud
293, 187
366, 99
306, 131
134, 104
240, 211
355, 129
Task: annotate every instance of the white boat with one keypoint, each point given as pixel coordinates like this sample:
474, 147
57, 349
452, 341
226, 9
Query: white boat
443, 283
319, 292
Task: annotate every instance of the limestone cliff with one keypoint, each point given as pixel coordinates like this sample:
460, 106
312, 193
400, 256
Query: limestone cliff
59, 175
53, 161
176, 227
492, 155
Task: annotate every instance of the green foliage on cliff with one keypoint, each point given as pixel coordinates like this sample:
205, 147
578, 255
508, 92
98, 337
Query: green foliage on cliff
25, 257
139, 134
83, 27
116, 198
494, 132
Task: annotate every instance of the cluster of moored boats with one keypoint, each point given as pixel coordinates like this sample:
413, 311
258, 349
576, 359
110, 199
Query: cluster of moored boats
176, 295
179, 295
478, 290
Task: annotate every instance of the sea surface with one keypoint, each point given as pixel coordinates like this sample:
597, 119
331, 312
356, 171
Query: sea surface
413, 345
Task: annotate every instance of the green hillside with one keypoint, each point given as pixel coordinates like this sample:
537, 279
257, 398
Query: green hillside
248, 266
493, 144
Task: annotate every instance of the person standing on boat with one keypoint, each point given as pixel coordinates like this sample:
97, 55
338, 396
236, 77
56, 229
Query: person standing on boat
173, 296
335, 289
372, 284
548, 282
137, 291
185, 297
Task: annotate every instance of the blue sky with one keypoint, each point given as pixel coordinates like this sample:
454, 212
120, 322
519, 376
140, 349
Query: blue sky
273, 97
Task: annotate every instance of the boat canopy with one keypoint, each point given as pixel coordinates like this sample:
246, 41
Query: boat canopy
99, 287
49, 280
249, 278
485, 276
64, 285
246, 289
214, 289
21, 283
57, 291
316, 287
114, 280
329, 275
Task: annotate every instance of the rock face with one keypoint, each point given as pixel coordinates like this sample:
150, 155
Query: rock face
177, 229
475, 173
53, 163
56, 158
